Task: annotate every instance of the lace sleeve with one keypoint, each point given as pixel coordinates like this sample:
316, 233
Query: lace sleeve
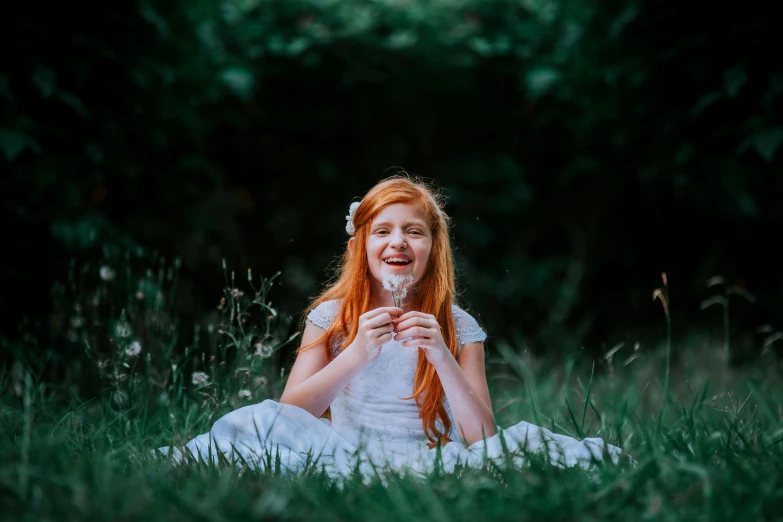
468, 330
324, 314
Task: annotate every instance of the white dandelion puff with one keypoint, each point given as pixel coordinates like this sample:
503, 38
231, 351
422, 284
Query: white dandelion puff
244, 394
397, 285
263, 350
106, 273
133, 350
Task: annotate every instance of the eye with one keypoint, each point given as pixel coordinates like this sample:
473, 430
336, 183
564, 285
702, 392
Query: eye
415, 232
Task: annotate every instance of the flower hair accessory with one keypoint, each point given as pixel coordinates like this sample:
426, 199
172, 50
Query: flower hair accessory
349, 218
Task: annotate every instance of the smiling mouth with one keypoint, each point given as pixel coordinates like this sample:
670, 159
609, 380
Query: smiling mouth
397, 263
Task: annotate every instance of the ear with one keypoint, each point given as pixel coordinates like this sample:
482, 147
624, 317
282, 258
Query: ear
351, 243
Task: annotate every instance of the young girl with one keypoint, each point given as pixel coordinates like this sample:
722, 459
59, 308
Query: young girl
397, 363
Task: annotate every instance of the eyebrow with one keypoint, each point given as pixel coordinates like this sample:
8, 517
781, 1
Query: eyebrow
409, 223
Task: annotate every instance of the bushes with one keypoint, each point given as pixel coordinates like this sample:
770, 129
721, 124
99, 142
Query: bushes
584, 148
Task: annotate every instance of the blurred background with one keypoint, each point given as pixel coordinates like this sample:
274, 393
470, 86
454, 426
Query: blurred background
583, 147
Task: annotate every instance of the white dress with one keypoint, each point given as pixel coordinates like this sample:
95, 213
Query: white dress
372, 427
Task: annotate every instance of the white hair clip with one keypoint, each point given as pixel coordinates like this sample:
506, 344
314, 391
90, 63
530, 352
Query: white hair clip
349, 218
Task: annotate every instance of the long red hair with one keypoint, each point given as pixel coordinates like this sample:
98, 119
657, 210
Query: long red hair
434, 293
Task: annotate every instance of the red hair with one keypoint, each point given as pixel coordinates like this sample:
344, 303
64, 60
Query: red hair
434, 294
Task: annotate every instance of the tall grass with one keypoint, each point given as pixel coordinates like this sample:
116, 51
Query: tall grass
78, 446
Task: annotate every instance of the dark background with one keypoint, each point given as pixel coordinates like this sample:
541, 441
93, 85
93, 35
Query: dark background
584, 148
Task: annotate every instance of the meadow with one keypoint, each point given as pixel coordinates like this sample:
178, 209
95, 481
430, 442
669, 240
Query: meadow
117, 372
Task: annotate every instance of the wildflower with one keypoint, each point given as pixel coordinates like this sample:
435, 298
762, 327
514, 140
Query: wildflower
236, 292
261, 381
263, 350
396, 284
199, 378
244, 394
133, 350
106, 273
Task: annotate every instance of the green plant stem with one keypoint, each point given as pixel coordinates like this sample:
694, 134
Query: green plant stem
668, 356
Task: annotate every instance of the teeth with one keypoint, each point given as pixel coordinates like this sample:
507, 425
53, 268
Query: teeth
396, 260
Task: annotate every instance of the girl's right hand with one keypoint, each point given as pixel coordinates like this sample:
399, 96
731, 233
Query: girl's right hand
375, 330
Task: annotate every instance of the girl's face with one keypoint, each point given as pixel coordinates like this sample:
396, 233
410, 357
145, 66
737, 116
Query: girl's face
399, 243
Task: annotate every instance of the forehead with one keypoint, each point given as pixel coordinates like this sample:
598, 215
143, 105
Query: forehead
402, 213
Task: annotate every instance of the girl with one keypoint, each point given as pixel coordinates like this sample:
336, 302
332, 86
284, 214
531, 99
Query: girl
397, 363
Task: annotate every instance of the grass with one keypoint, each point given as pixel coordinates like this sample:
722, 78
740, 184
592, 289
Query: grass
710, 450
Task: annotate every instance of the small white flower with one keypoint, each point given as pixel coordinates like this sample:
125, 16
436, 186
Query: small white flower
106, 273
261, 381
349, 227
139, 295
244, 394
263, 350
199, 378
133, 350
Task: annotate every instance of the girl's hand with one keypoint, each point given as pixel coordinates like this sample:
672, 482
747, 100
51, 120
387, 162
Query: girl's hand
424, 332
375, 330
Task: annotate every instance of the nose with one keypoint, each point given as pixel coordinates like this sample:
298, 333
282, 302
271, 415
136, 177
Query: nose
397, 240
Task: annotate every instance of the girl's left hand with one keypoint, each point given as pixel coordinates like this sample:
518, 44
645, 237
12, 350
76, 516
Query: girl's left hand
424, 332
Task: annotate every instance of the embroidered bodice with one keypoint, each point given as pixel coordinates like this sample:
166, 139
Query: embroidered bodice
372, 403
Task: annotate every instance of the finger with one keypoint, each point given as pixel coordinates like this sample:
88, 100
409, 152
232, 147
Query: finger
412, 313
391, 310
417, 342
415, 331
385, 337
377, 332
415, 321
380, 320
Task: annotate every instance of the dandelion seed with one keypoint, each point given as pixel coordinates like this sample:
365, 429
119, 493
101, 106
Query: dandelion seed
133, 350
244, 394
263, 350
106, 273
199, 378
